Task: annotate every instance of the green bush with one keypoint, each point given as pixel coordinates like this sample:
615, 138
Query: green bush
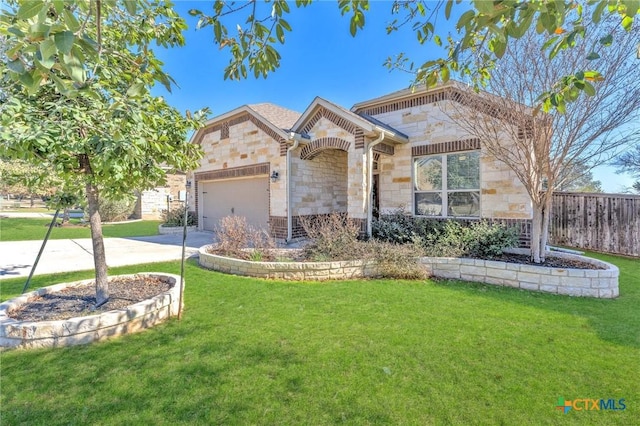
398, 228
116, 210
175, 217
445, 238
483, 239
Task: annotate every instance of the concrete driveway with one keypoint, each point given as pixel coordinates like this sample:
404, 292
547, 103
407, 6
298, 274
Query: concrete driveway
17, 257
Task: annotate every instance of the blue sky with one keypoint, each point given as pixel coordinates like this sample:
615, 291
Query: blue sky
319, 58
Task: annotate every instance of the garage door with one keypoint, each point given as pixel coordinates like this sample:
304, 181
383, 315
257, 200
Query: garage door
240, 197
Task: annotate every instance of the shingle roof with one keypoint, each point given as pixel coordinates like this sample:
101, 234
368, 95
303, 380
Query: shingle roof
383, 125
280, 117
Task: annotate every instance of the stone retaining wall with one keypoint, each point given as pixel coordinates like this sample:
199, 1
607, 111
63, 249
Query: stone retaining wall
298, 271
601, 283
87, 329
171, 230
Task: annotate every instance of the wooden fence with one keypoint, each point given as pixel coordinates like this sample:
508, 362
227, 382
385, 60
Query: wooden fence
601, 222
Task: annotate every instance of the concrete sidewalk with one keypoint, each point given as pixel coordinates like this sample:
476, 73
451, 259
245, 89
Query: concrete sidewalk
17, 257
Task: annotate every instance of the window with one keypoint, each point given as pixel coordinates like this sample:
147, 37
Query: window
447, 185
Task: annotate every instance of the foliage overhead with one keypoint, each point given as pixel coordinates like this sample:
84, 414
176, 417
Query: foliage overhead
53, 40
78, 87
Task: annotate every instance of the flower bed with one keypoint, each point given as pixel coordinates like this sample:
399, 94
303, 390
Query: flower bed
86, 329
600, 283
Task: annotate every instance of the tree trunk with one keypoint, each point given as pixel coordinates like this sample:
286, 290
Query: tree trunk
99, 258
546, 220
536, 233
65, 216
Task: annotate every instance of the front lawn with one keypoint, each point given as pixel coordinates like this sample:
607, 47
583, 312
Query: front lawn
23, 229
251, 351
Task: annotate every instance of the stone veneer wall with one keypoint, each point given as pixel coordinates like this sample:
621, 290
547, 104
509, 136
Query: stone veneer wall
319, 185
502, 194
87, 329
321, 127
152, 202
245, 143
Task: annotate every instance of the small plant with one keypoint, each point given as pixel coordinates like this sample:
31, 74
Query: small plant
234, 235
175, 217
398, 261
333, 237
115, 210
256, 255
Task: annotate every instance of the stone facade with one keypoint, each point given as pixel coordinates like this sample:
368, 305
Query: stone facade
502, 194
330, 167
245, 145
151, 203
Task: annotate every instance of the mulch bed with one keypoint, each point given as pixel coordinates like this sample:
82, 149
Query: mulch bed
80, 301
550, 262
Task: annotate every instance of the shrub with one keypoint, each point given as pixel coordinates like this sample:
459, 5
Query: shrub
115, 210
234, 236
175, 217
487, 240
445, 238
397, 227
398, 261
478, 239
333, 237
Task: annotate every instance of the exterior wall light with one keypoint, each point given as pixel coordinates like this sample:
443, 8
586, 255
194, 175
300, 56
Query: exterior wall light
274, 176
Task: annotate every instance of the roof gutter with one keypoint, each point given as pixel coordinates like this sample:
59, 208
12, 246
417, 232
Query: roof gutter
369, 195
295, 137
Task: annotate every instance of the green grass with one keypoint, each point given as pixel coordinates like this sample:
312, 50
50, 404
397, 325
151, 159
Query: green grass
251, 351
22, 229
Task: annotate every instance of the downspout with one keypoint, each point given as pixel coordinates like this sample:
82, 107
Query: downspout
370, 181
296, 141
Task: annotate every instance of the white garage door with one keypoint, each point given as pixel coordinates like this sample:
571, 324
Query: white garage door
240, 197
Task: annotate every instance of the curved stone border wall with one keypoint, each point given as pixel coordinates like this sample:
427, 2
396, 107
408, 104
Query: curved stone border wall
87, 329
170, 230
601, 283
298, 271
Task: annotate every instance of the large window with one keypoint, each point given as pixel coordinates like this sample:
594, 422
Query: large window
447, 185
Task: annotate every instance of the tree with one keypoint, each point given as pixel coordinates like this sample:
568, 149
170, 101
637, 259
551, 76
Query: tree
19, 178
548, 150
484, 30
77, 98
629, 162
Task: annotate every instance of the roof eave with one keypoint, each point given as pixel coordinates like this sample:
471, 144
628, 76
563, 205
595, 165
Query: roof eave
235, 112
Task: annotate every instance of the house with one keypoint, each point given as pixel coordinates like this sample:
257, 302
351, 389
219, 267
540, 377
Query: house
151, 203
403, 150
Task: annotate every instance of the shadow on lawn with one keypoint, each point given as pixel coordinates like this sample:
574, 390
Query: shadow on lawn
615, 320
